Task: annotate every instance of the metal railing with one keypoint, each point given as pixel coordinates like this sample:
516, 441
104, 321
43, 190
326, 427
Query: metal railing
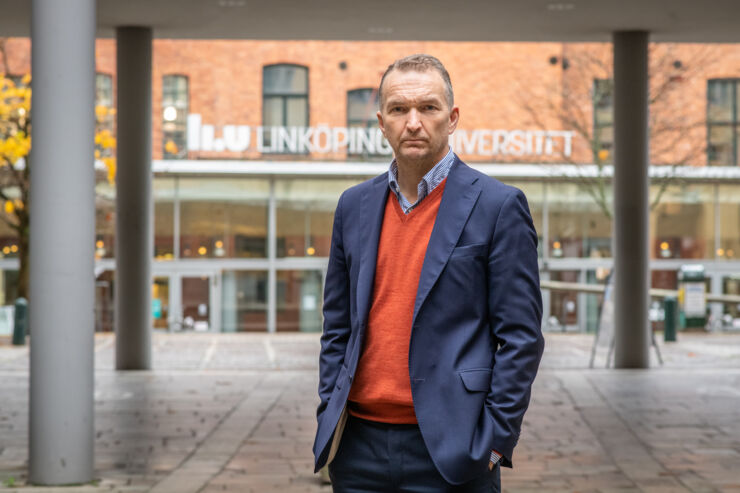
654, 292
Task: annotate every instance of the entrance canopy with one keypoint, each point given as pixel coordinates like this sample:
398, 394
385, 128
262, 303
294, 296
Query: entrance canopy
472, 20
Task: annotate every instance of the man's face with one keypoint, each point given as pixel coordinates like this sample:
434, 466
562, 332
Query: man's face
415, 117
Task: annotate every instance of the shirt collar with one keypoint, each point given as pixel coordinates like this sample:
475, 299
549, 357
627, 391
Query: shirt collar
429, 181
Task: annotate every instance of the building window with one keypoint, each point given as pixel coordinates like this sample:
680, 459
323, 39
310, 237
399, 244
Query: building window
174, 116
722, 122
284, 98
362, 108
603, 137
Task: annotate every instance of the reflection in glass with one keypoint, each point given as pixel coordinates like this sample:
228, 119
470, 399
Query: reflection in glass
175, 102
362, 108
285, 80
8, 287
720, 147
164, 209
723, 121
731, 285
682, 224
720, 100
299, 300
534, 192
564, 304
196, 306
578, 225
244, 301
729, 220
223, 218
8, 295
603, 102
305, 215
284, 97
161, 302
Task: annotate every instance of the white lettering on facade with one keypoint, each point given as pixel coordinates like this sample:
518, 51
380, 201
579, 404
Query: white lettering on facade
358, 140
236, 137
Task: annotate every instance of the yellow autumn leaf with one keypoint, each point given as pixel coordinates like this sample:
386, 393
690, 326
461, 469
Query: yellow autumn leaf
110, 164
26, 79
9, 207
170, 147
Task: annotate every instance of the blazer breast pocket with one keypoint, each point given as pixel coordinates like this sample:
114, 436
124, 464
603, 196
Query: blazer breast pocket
476, 250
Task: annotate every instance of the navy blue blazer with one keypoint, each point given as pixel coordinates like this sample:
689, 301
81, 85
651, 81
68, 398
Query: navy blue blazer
476, 339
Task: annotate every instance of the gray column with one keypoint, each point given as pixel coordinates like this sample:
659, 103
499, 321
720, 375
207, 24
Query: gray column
134, 225
631, 201
271, 255
62, 237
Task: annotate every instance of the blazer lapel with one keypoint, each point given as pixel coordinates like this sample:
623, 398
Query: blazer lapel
372, 210
459, 196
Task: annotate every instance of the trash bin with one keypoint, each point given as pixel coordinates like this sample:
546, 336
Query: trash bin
20, 322
670, 320
692, 296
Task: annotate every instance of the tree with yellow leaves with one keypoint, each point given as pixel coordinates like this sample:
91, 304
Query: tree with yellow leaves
15, 161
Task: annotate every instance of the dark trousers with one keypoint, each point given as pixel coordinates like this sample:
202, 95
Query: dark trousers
385, 458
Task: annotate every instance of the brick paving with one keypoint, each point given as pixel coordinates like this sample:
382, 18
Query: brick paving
235, 413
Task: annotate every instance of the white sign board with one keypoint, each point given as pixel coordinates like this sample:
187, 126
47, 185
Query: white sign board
694, 302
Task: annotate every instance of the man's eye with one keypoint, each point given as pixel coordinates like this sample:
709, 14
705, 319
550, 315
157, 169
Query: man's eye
430, 107
396, 109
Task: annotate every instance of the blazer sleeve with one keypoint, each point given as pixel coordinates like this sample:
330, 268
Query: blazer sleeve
515, 311
337, 325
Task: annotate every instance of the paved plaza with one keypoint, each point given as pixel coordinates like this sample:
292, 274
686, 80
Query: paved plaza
235, 413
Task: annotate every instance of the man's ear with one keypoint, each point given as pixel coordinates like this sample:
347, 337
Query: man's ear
380, 122
454, 119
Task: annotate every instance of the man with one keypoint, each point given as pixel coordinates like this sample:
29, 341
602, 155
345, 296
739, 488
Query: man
432, 309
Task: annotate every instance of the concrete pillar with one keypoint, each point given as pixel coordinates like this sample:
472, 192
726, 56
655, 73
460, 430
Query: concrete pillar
62, 237
631, 200
271, 256
134, 225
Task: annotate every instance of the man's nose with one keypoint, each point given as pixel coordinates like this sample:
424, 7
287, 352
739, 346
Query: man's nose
413, 123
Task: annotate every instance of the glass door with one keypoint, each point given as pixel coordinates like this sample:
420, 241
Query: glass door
196, 309
160, 302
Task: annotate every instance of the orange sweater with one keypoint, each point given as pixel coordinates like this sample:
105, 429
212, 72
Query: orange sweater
381, 390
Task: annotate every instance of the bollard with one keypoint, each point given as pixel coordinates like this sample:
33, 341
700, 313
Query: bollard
670, 307
20, 322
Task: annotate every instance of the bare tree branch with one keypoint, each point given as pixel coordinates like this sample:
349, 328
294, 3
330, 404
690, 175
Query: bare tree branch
672, 124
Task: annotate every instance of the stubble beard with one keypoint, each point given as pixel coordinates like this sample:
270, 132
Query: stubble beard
420, 162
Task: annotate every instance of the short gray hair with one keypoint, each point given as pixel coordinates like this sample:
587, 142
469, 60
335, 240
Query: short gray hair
419, 63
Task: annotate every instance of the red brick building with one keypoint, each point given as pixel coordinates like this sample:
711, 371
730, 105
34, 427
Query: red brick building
522, 105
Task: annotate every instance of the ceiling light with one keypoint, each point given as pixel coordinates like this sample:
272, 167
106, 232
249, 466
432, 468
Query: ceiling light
380, 30
560, 7
231, 3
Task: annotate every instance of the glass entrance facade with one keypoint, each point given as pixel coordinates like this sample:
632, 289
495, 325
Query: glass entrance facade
247, 250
